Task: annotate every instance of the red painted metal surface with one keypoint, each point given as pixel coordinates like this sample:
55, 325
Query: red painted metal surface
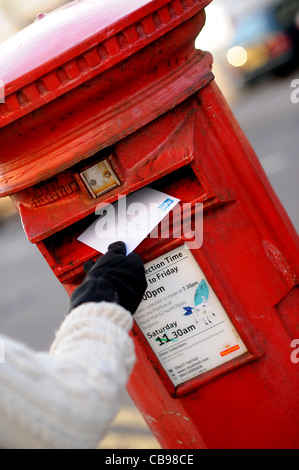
150, 109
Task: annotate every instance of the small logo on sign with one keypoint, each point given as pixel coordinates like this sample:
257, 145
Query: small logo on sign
230, 350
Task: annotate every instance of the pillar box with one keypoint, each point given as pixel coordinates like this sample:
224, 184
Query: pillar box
103, 99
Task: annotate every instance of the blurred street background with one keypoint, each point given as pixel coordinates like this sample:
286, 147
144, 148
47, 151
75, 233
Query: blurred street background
255, 47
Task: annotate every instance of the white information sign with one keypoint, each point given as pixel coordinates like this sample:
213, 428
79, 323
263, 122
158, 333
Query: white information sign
183, 320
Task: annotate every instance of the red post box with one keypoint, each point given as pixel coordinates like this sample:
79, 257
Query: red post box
102, 100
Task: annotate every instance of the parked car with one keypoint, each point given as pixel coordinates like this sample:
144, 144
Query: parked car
261, 45
287, 15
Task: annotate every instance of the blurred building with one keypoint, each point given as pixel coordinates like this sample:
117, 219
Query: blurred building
237, 9
221, 17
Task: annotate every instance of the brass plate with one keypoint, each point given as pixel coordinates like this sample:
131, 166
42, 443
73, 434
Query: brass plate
100, 178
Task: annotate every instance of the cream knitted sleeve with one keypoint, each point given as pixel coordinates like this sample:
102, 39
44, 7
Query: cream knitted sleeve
66, 398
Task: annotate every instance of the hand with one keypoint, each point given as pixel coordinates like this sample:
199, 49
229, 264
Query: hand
115, 277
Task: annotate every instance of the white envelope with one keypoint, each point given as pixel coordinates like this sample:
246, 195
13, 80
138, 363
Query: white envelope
130, 219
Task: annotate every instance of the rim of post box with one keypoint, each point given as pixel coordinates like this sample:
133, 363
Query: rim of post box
34, 80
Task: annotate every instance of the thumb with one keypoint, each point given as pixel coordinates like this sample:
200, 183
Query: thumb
88, 266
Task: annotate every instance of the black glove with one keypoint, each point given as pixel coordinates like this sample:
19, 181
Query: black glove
115, 277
